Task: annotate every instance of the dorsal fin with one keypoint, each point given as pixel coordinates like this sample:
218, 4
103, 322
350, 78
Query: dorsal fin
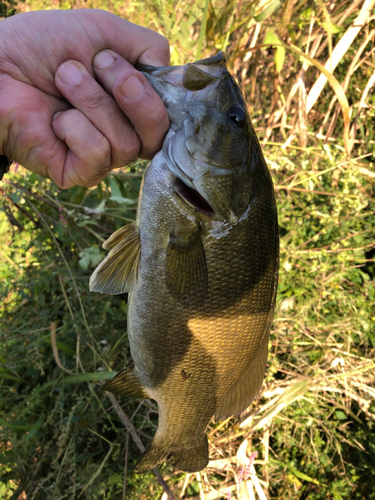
119, 270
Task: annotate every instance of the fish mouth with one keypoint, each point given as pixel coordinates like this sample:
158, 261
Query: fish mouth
192, 197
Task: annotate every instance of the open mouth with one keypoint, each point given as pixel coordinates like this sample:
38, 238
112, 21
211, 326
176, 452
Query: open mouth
193, 197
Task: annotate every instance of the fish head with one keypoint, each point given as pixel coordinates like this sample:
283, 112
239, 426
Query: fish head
209, 145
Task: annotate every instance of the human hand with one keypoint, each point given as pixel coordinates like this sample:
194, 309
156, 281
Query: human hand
55, 118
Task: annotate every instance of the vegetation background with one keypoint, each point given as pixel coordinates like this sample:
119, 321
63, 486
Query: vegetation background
313, 425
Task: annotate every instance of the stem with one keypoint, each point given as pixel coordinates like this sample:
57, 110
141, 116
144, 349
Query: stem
202, 32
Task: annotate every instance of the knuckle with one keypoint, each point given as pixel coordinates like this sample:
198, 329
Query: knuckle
133, 148
96, 99
161, 42
69, 120
164, 50
102, 150
102, 169
128, 149
164, 44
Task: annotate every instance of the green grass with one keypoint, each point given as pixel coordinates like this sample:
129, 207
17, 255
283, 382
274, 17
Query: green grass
313, 425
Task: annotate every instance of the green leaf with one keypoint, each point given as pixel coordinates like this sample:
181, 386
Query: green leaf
98, 210
16, 196
90, 257
77, 194
364, 276
298, 474
123, 201
4, 373
60, 346
8, 377
279, 58
333, 27
268, 9
114, 185
303, 476
20, 426
88, 377
340, 415
270, 39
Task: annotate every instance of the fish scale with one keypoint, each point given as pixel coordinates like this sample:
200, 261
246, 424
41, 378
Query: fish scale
202, 273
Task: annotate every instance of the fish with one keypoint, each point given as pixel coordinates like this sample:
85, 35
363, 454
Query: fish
200, 264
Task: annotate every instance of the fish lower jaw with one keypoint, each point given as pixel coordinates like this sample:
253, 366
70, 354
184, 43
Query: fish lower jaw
192, 198
218, 210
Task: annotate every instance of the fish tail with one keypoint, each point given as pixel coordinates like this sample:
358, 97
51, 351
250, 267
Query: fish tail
185, 459
191, 459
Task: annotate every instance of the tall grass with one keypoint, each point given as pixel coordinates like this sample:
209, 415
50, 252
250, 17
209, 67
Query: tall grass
307, 72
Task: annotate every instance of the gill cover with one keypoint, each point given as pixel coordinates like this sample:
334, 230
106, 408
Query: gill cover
210, 141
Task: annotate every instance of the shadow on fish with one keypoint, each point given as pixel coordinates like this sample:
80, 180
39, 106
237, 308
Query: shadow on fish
200, 264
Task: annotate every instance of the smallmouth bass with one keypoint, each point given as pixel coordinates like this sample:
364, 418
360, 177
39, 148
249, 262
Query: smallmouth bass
200, 263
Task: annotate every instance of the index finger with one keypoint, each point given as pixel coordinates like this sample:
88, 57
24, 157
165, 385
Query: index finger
137, 99
134, 43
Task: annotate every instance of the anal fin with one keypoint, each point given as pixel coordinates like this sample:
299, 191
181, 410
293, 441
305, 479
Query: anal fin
243, 392
126, 383
152, 457
119, 270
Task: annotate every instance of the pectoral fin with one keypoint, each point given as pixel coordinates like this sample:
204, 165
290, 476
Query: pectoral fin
119, 270
124, 233
127, 384
186, 270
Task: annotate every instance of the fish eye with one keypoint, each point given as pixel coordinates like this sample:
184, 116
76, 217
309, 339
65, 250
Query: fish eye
237, 116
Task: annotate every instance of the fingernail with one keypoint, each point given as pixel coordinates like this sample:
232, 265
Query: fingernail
132, 88
56, 115
103, 59
70, 74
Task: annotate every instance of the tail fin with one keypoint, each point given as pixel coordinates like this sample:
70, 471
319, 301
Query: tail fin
191, 459
185, 459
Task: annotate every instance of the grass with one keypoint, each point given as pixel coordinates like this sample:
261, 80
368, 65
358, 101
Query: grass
313, 424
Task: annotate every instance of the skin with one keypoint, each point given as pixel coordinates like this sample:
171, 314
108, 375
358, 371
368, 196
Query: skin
72, 106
